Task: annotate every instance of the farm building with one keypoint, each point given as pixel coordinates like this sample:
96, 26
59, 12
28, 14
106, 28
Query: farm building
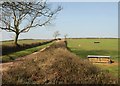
98, 58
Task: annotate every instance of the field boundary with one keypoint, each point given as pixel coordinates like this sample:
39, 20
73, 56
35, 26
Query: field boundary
10, 49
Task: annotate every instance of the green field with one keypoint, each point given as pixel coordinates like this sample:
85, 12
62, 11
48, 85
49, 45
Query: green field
84, 47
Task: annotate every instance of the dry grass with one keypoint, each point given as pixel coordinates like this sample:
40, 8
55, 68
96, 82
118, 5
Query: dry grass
56, 65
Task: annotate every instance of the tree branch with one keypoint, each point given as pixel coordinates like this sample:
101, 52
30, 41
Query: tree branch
31, 26
7, 29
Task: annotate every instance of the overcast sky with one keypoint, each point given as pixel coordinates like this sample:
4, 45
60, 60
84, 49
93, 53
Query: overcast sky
78, 19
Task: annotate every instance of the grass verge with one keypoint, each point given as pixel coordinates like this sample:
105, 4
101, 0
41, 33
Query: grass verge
13, 56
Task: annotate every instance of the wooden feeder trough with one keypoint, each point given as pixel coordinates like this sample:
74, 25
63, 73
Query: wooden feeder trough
96, 42
99, 59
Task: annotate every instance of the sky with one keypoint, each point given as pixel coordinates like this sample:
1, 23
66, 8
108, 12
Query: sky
78, 20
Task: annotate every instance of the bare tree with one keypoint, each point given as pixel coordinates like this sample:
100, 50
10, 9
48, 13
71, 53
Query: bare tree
65, 36
56, 33
20, 17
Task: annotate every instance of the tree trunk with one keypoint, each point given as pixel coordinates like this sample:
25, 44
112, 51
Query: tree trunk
16, 39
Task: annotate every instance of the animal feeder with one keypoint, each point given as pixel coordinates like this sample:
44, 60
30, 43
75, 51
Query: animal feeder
99, 59
96, 42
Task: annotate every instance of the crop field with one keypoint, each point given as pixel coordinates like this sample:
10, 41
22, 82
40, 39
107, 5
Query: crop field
84, 47
22, 41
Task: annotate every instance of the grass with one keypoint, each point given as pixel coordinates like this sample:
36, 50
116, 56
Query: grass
111, 68
13, 56
84, 47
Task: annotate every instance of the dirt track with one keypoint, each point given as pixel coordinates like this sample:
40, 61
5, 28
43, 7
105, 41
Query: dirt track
5, 66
